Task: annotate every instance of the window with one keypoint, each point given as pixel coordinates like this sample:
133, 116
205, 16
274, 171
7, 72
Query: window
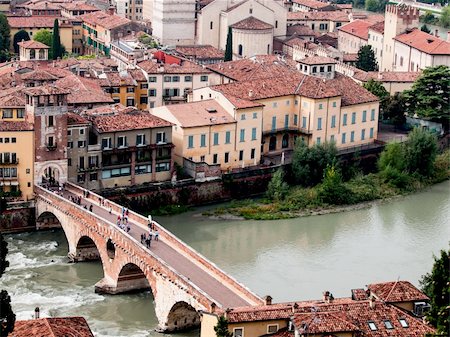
160, 167
329, 69
160, 138
216, 138
318, 140
143, 99
403, 322
363, 134
334, 103
188, 78
314, 69
144, 85
255, 115
304, 122
115, 90
215, 158
190, 142
50, 120
240, 50
228, 137
176, 79
130, 101
296, 102
319, 123
81, 162
253, 133
352, 136
320, 106
7, 113
20, 113
210, 25
287, 103
344, 120
13, 139
286, 121
322, 69
142, 169
274, 123
204, 78
152, 79
152, 92
130, 89
272, 328
227, 157
167, 79
343, 138
122, 141
241, 155
106, 143
202, 159
81, 143
333, 121
372, 115
243, 117
203, 140
69, 161
274, 104
242, 135
353, 117
81, 131
372, 326
371, 133
140, 140
93, 176
332, 138
364, 116
295, 119
50, 141
388, 324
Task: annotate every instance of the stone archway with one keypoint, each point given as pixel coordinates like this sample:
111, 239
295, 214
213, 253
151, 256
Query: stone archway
86, 250
182, 316
47, 220
50, 174
131, 278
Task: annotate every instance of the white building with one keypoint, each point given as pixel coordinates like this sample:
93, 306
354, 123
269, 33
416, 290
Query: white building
375, 40
353, 36
252, 37
130, 9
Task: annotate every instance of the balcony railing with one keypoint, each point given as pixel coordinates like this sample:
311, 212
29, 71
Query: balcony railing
9, 162
94, 147
51, 147
89, 168
287, 129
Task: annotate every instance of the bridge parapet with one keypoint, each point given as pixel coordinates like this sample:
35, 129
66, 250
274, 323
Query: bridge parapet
180, 246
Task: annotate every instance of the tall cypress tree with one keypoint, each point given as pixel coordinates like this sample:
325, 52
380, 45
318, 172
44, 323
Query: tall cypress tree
229, 46
5, 38
366, 59
7, 316
56, 41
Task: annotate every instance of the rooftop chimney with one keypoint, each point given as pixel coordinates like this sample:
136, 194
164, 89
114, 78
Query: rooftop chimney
268, 300
250, 93
36, 313
436, 32
448, 36
371, 302
111, 10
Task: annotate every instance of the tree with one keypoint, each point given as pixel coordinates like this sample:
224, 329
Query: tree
277, 188
44, 36
420, 152
429, 96
425, 29
366, 59
56, 41
428, 17
436, 286
229, 46
309, 163
393, 156
221, 327
376, 88
394, 108
7, 316
5, 38
333, 191
20, 36
445, 17
375, 5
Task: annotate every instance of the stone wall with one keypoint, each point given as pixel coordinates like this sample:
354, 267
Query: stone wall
20, 219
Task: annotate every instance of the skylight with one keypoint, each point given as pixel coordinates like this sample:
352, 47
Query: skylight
403, 322
372, 326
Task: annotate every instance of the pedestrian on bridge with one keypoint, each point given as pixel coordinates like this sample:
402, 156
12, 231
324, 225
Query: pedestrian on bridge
90, 208
148, 241
156, 235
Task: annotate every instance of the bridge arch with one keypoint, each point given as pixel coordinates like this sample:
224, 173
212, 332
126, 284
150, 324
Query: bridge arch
86, 250
182, 316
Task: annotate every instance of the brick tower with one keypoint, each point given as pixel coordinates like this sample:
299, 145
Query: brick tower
397, 20
46, 107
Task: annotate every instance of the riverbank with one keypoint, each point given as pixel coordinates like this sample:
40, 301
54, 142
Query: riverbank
365, 191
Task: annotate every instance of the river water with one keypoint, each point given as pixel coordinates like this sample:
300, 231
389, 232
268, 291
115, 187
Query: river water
293, 259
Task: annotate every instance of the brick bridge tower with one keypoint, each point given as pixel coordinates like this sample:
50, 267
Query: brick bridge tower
46, 107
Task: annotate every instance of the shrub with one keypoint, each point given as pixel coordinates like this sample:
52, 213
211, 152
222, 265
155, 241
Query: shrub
333, 191
277, 188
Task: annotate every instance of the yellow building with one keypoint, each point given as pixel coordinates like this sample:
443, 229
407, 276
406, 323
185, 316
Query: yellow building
16, 149
32, 24
213, 133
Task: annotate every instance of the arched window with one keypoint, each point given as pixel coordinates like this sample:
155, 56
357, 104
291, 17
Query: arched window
211, 25
32, 54
240, 50
285, 141
41, 54
273, 143
268, 49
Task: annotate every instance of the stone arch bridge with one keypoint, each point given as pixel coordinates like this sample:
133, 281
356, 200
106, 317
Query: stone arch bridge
182, 281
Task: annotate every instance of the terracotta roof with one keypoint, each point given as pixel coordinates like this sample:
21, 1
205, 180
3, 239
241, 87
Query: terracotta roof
46, 327
104, 19
312, 60
352, 93
201, 113
119, 118
388, 76
400, 291
83, 90
335, 16
252, 23
46, 90
300, 30
39, 75
200, 52
357, 28
16, 126
359, 294
350, 57
229, 9
378, 27
44, 5
294, 41
15, 101
31, 44
78, 6
372, 18
76, 119
323, 322
116, 79
137, 75
260, 313
259, 66
424, 42
186, 67
33, 21
314, 4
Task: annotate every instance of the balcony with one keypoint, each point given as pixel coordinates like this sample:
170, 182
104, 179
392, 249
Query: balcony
288, 129
9, 162
90, 168
94, 147
51, 147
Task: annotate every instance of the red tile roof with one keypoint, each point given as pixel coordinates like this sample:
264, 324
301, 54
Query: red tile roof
323, 322
424, 42
252, 23
186, 67
78, 6
300, 30
335, 16
314, 4
388, 76
399, 291
201, 113
200, 52
104, 20
32, 21
312, 60
115, 118
39, 75
83, 90
76, 119
16, 126
31, 44
48, 327
46, 90
357, 28
378, 27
